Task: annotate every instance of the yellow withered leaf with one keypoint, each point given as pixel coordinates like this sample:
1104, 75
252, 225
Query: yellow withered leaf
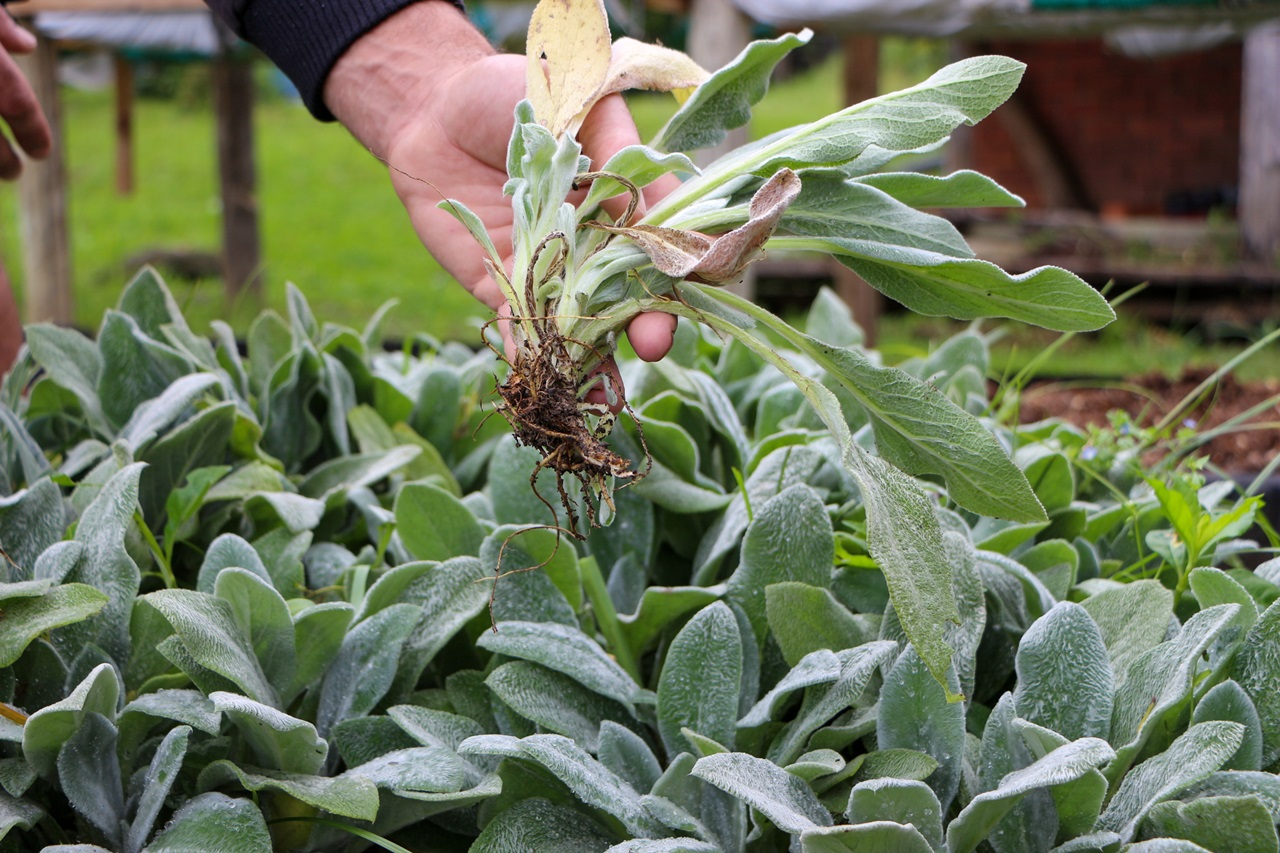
636, 65
568, 52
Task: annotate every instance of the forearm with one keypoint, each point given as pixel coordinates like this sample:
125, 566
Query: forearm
389, 78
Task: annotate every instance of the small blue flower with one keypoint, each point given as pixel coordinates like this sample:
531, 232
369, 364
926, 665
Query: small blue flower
1089, 453
1124, 428
1189, 423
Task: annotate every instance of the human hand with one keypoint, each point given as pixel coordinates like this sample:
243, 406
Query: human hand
18, 106
442, 123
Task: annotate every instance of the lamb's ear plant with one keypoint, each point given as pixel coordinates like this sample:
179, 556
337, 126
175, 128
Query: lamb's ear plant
578, 275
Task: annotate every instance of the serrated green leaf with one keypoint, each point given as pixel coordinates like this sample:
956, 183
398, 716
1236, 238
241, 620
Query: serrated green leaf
699, 683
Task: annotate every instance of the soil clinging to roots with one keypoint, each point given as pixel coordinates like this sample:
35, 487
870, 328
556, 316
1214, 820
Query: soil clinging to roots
540, 401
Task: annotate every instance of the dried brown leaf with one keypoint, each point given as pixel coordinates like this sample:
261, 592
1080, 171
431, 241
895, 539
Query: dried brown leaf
674, 252
732, 252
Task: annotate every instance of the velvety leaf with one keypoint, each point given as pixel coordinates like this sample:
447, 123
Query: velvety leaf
435, 525
664, 845
1061, 766
416, 772
1228, 701
28, 617
354, 471
724, 101
1133, 618
450, 595
662, 606
1196, 753
626, 755
1257, 670
208, 631
881, 836
700, 679
1064, 675
536, 824
803, 619
857, 666
1219, 824
901, 801
963, 188
278, 741
74, 363
510, 549
589, 780
49, 728
229, 550
89, 773
318, 633
365, 665
156, 415
1237, 783
639, 164
189, 707
1162, 677
788, 540
764, 786
554, 701
17, 814
349, 796
264, 618
156, 784
135, 367
107, 566
914, 714
567, 650
30, 521
818, 667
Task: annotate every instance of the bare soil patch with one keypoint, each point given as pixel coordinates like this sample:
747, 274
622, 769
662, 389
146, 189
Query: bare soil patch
1148, 399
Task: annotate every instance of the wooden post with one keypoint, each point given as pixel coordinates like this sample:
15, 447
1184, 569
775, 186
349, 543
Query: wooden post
124, 125
233, 109
861, 79
42, 199
718, 32
1260, 146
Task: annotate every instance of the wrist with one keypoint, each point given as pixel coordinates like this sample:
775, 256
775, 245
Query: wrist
388, 78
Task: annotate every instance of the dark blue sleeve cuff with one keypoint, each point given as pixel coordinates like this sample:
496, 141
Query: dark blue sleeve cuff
306, 37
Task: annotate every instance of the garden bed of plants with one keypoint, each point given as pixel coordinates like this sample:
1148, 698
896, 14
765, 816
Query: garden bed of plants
305, 599
314, 595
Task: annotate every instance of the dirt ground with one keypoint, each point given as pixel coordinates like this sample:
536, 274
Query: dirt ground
1147, 399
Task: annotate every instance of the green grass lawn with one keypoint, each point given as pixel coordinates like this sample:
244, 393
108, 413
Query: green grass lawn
331, 224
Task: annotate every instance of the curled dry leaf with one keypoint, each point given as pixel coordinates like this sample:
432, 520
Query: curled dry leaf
715, 260
569, 52
731, 252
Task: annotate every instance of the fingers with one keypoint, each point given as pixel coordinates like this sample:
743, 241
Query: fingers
19, 109
651, 335
14, 38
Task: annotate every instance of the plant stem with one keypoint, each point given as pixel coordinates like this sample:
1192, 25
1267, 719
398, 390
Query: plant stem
607, 616
166, 571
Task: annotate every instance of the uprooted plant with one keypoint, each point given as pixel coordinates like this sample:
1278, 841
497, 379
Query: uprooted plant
579, 276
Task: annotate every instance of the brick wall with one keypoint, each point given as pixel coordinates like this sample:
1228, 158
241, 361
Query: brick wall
1135, 131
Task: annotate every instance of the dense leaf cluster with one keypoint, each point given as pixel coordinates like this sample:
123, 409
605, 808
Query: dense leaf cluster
279, 600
